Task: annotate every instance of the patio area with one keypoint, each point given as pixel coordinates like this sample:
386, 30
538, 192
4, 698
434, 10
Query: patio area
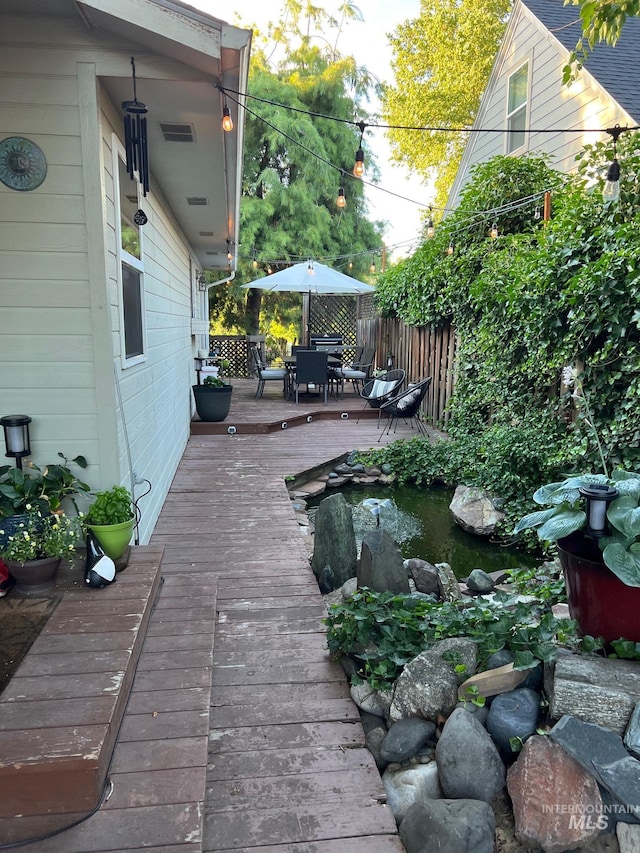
239, 732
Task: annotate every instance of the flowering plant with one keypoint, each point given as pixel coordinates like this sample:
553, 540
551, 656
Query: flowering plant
43, 536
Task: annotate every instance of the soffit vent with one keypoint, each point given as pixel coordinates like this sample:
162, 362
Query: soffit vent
197, 201
177, 132
205, 233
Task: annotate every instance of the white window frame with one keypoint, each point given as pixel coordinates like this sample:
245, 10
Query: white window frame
124, 258
510, 148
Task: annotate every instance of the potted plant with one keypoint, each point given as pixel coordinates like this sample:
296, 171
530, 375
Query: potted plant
36, 489
595, 522
33, 551
111, 518
213, 397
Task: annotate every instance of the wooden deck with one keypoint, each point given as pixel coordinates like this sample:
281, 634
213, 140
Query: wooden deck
240, 733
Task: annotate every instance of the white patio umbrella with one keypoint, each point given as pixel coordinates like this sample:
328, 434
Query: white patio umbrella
310, 278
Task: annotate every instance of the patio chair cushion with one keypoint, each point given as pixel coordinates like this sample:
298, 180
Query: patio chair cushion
409, 399
273, 372
381, 388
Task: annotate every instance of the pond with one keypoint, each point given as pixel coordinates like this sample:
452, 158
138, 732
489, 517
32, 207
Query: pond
421, 523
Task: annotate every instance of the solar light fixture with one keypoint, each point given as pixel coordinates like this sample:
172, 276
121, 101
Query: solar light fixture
16, 436
598, 498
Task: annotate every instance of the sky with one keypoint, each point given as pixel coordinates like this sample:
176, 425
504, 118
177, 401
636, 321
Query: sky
367, 42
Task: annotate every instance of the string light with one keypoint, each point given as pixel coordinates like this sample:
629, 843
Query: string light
450, 249
430, 228
358, 167
372, 268
611, 191
227, 121
494, 231
310, 269
341, 200
229, 254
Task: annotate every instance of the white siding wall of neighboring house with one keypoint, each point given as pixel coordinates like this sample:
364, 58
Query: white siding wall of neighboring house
584, 105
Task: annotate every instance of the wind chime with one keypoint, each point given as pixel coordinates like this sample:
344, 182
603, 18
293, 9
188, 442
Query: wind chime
135, 143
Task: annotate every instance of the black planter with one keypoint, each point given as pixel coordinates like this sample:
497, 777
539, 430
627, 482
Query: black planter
212, 404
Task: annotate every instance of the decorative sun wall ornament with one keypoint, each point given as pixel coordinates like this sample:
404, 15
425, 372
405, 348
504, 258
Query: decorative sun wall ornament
23, 166
135, 137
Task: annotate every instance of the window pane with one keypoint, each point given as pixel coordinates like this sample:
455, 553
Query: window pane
132, 310
517, 123
518, 88
129, 231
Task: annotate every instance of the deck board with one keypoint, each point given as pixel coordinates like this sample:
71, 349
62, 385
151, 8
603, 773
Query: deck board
240, 733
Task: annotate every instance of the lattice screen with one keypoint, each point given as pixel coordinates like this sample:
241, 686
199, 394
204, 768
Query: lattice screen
236, 349
333, 315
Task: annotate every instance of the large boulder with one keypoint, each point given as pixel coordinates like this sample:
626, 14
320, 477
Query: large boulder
381, 565
428, 685
469, 764
474, 511
448, 826
335, 555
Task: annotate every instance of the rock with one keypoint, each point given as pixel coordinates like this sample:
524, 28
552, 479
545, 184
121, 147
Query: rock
373, 741
469, 764
479, 581
343, 468
513, 715
556, 803
588, 744
474, 511
632, 733
622, 779
311, 490
386, 468
404, 738
425, 576
381, 565
372, 471
598, 690
449, 582
408, 785
534, 676
628, 838
372, 721
348, 588
480, 712
428, 685
336, 482
335, 542
373, 701
448, 826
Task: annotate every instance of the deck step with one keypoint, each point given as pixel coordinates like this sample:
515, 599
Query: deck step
61, 712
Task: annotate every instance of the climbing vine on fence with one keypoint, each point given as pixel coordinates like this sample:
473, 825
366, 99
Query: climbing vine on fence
536, 298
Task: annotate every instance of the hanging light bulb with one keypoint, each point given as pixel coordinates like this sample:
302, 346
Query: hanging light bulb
358, 168
350, 265
611, 191
430, 227
372, 268
341, 200
254, 263
494, 231
536, 213
229, 255
310, 269
269, 270
450, 249
227, 121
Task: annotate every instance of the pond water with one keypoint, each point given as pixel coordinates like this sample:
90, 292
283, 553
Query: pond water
420, 521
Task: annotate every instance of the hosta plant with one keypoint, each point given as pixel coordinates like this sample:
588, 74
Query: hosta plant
565, 514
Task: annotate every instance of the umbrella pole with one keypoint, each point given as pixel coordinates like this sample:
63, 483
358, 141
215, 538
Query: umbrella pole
306, 317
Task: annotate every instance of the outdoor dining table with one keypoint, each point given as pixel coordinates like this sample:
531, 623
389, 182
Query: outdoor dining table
290, 362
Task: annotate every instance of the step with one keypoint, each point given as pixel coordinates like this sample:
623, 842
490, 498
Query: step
61, 712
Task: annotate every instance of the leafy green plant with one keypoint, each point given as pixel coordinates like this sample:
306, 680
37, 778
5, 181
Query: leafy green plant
114, 506
384, 631
40, 489
214, 382
565, 515
43, 536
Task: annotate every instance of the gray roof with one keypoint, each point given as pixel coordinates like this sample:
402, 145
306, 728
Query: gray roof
617, 69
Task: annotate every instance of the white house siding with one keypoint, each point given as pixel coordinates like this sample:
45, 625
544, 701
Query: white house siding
59, 314
154, 418
582, 106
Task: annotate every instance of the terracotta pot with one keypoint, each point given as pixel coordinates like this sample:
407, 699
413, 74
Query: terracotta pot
34, 576
600, 603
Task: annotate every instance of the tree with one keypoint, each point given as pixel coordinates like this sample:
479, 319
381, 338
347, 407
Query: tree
602, 20
442, 61
295, 160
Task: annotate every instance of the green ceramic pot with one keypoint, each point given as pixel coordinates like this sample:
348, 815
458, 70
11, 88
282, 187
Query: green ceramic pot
114, 538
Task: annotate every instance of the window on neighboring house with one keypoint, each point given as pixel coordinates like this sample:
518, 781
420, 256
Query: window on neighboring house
517, 108
131, 268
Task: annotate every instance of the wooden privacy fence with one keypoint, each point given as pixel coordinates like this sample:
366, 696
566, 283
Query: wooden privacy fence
421, 352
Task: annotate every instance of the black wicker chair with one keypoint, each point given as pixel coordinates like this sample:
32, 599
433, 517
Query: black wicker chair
406, 406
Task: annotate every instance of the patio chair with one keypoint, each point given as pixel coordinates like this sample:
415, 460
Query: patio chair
358, 372
406, 406
377, 391
311, 369
268, 374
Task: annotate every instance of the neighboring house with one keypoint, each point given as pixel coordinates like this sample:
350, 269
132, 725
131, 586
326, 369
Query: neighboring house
100, 317
525, 90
